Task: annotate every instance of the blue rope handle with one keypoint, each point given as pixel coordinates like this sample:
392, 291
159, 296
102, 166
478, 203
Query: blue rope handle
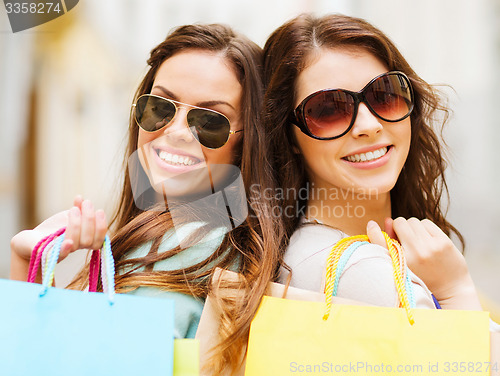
53, 256
344, 258
108, 270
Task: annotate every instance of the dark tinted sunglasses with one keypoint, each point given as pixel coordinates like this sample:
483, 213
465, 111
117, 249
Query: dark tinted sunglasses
331, 113
211, 128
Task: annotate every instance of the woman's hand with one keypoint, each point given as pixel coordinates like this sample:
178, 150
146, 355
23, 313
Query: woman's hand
85, 229
433, 257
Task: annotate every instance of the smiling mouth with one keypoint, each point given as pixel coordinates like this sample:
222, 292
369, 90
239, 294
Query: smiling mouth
369, 156
177, 159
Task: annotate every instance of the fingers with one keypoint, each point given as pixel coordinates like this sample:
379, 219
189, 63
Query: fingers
432, 256
73, 228
78, 200
418, 229
375, 234
389, 228
411, 232
415, 240
432, 228
423, 236
88, 224
101, 228
86, 228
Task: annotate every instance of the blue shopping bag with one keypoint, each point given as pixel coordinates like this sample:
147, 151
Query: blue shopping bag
51, 331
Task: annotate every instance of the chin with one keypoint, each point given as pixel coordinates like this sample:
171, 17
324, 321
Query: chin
374, 190
180, 187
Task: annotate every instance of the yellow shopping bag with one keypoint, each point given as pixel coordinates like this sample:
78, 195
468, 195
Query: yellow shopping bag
186, 357
290, 337
296, 337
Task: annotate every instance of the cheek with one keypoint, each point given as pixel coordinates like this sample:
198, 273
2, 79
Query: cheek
405, 134
304, 146
225, 154
295, 142
314, 150
300, 143
144, 137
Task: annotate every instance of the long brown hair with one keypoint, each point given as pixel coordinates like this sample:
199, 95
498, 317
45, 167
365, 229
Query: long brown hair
251, 248
421, 184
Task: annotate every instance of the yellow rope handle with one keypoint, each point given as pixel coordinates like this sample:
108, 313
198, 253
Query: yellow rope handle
331, 267
398, 266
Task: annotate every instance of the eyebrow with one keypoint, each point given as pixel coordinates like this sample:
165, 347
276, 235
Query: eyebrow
171, 95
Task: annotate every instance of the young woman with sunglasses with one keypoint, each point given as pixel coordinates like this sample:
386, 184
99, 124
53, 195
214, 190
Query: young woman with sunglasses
352, 124
200, 98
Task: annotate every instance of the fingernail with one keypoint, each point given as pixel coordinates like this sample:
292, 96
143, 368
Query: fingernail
371, 224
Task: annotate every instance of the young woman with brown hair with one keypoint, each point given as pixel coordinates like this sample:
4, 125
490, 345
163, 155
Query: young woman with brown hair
197, 108
353, 126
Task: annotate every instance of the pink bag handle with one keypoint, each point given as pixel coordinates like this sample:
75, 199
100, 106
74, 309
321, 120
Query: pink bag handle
36, 257
36, 254
94, 270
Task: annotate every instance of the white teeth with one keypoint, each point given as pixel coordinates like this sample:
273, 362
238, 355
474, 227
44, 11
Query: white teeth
366, 157
176, 159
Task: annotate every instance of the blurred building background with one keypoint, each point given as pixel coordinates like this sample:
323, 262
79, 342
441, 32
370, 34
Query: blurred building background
66, 89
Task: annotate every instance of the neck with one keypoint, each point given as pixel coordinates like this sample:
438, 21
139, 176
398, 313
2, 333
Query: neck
348, 210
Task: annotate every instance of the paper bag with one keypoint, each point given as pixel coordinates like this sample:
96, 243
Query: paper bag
49, 331
208, 328
289, 336
76, 333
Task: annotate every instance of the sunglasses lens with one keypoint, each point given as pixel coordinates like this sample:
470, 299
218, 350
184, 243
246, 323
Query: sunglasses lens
212, 128
390, 97
329, 113
153, 113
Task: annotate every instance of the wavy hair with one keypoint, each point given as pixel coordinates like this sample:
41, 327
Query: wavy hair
421, 184
251, 248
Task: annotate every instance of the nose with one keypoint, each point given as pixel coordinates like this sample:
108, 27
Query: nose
178, 129
366, 124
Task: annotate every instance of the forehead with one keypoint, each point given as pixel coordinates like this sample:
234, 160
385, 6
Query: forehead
199, 75
344, 67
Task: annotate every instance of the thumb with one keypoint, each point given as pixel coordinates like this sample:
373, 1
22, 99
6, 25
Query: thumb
375, 234
66, 249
